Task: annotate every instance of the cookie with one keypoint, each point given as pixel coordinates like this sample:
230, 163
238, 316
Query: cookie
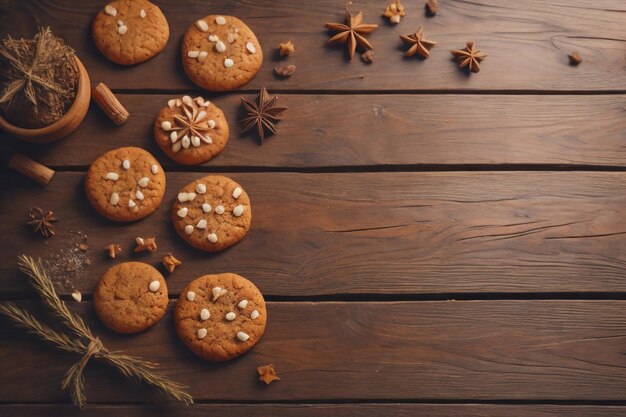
130, 31
221, 53
125, 184
131, 297
212, 213
191, 131
220, 317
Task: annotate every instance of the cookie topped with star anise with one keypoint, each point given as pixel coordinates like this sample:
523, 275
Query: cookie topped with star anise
191, 130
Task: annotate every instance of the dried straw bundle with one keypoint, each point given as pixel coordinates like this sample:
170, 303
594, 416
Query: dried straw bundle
39, 78
83, 342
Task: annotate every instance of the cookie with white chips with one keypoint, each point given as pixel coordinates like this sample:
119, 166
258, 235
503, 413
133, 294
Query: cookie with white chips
220, 317
131, 297
191, 131
125, 184
212, 213
221, 53
130, 31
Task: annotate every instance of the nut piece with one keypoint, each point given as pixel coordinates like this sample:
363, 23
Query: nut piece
286, 48
113, 249
575, 58
285, 71
218, 292
432, 7
368, 56
395, 11
109, 104
77, 296
144, 244
170, 262
267, 374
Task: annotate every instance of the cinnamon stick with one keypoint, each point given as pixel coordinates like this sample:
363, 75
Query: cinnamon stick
107, 101
31, 168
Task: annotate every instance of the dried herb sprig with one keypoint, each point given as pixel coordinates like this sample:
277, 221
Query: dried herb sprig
85, 342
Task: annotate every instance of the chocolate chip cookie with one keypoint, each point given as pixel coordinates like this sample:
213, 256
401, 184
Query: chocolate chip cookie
220, 317
131, 297
191, 131
212, 213
221, 53
125, 184
130, 31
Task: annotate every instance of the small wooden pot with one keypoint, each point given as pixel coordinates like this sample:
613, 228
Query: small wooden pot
66, 124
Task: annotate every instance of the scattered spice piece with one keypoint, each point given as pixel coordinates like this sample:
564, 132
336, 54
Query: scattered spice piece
83, 246
113, 249
368, 56
575, 58
39, 79
263, 115
170, 262
72, 265
77, 296
286, 48
267, 374
42, 221
395, 11
146, 244
352, 32
109, 104
469, 57
432, 7
285, 71
419, 45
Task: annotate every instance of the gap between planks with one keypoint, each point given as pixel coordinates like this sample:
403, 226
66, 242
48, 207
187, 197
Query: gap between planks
355, 298
379, 168
290, 91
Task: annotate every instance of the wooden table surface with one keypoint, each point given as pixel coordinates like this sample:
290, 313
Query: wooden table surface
431, 243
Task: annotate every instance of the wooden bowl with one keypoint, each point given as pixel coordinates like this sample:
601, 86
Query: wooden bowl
66, 124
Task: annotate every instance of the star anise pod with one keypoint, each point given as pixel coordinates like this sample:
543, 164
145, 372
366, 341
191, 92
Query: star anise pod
352, 32
263, 115
469, 57
194, 122
42, 221
419, 45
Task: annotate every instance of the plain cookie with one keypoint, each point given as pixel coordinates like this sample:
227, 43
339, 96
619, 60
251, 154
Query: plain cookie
220, 317
125, 184
212, 213
191, 131
130, 31
131, 297
221, 53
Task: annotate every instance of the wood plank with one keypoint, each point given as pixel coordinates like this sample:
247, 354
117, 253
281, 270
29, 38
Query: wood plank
317, 410
373, 233
527, 43
359, 130
469, 350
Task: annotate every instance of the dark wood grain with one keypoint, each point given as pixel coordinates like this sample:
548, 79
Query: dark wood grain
361, 130
472, 350
351, 233
527, 43
315, 410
